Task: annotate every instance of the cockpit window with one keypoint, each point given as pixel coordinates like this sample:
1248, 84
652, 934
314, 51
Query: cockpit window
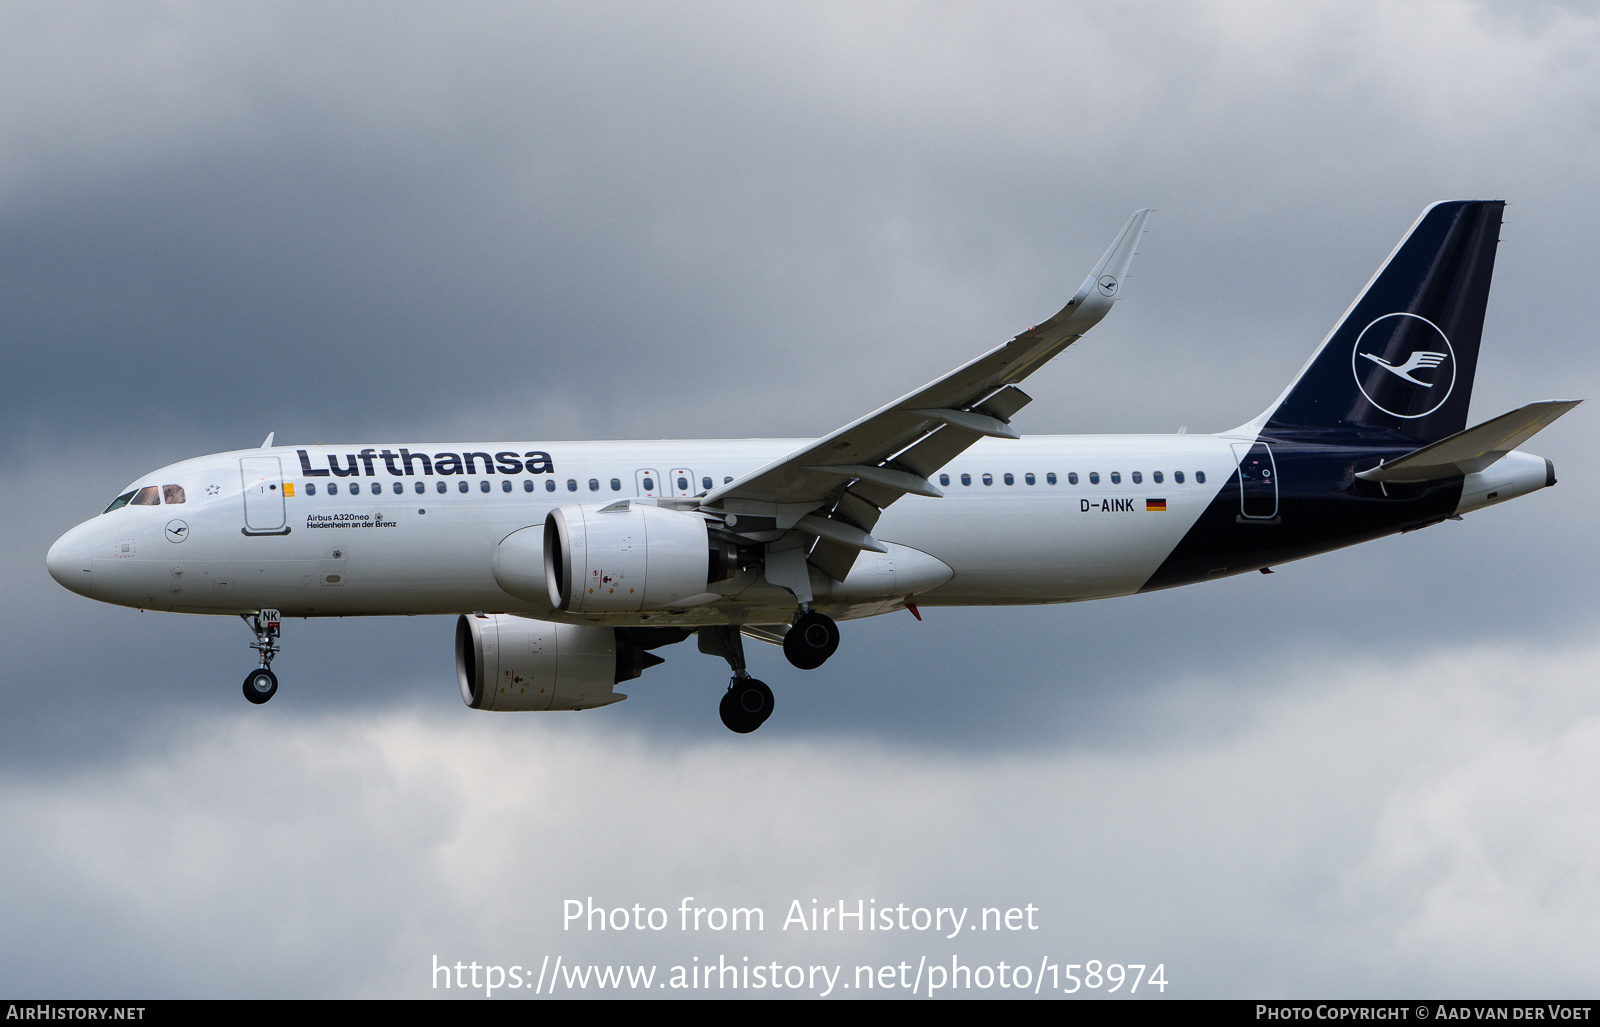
171, 494
147, 496
120, 502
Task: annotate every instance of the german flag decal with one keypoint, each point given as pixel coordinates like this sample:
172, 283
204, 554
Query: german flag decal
1155, 506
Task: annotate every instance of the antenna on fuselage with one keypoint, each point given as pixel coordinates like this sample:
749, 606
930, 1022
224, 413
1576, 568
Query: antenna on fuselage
268, 443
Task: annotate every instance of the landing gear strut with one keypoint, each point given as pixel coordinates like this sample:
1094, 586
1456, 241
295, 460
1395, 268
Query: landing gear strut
811, 639
747, 703
261, 684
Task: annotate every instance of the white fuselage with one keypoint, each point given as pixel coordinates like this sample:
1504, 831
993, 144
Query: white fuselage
378, 545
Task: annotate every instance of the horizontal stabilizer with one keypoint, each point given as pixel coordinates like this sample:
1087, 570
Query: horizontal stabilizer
1472, 450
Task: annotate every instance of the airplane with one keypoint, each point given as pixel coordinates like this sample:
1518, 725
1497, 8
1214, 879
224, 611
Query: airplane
566, 564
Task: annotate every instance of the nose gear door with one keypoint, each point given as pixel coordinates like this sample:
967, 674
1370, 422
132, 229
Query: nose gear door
264, 512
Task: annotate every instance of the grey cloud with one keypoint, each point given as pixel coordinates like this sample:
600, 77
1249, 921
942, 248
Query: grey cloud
1389, 828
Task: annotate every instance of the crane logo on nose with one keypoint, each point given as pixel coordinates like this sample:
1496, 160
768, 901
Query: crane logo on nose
177, 531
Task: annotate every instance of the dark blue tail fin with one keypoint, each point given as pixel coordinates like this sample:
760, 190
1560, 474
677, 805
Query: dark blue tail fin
1401, 360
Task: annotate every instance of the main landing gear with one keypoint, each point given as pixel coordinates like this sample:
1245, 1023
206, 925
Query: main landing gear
747, 703
811, 639
261, 685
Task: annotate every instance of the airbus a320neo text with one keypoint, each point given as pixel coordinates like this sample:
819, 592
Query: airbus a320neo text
569, 564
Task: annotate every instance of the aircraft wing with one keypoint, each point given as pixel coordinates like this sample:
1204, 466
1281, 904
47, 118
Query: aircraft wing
835, 488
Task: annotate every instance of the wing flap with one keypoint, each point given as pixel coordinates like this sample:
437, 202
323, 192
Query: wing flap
936, 450
857, 511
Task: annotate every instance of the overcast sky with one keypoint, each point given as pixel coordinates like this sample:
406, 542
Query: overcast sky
1376, 772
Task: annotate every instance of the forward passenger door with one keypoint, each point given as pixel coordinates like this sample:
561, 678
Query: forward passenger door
264, 512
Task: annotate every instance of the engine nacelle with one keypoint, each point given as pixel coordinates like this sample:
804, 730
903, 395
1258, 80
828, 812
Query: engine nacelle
514, 663
626, 556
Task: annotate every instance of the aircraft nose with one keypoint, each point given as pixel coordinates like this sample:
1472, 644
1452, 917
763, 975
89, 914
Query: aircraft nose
68, 560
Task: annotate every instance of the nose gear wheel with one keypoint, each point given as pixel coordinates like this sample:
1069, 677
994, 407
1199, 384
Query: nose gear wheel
260, 685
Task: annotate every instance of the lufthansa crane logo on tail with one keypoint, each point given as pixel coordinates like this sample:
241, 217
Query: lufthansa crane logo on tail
1404, 365
1416, 362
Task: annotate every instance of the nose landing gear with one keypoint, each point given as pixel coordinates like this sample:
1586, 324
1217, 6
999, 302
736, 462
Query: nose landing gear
261, 684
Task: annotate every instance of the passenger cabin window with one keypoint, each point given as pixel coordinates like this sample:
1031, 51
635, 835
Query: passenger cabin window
649, 484
461, 486
572, 484
172, 494
505, 486
421, 487
683, 483
1116, 477
147, 496
1094, 477
1072, 477
377, 489
527, 484
118, 503
483, 486
439, 487
1177, 476
1156, 477
311, 488
988, 479
1028, 478
616, 484
727, 480
1137, 477
1009, 480
1050, 479
1200, 477
966, 479
400, 488
705, 483
944, 479
549, 484
333, 488
594, 484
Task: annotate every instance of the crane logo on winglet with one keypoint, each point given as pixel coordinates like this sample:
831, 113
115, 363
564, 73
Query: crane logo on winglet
1387, 357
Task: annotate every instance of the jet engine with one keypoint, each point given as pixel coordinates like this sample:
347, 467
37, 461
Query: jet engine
505, 662
628, 556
